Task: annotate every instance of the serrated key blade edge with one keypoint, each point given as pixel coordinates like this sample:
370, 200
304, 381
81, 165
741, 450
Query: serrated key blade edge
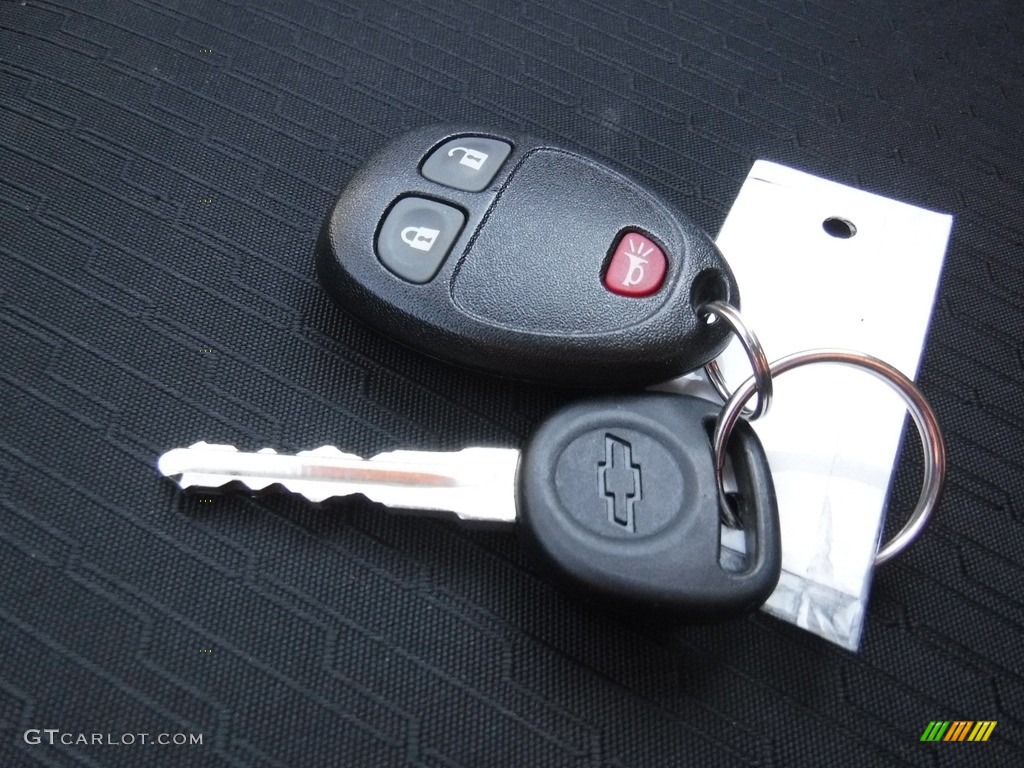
475, 484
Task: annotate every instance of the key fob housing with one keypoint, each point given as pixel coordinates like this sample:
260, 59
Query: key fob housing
617, 501
504, 253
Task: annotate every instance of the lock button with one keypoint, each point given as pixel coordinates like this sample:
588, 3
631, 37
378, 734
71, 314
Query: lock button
468, 163
416, 236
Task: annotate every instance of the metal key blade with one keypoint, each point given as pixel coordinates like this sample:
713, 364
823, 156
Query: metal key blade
475, 483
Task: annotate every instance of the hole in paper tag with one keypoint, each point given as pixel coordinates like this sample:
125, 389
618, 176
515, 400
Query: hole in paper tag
842, 229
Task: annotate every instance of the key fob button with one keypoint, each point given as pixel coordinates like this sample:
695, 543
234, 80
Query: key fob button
468, 163
416, 237
637, 268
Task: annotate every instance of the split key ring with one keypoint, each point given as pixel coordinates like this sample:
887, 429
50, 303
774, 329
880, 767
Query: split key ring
755, 353
922, 413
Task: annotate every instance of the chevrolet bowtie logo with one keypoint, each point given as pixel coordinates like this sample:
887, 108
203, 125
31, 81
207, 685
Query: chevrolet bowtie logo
619, 481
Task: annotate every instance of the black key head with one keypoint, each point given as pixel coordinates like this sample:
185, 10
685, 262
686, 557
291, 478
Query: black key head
617, 496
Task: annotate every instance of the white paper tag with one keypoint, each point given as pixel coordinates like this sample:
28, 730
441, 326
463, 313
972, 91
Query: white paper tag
833, 432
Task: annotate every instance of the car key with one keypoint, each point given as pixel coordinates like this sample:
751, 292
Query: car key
615, 496
512, 255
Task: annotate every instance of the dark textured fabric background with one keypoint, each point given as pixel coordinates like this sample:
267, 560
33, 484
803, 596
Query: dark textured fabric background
164, 166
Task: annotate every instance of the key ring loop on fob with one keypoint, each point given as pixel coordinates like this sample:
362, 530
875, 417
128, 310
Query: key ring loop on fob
755, 353
922, 413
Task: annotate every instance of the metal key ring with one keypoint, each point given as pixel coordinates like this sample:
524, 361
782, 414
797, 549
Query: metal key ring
922, 413
755, 353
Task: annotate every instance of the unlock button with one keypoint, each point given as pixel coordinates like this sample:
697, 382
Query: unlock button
416, 237
468, 162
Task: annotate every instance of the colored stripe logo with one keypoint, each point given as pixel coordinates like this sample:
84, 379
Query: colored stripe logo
958, 730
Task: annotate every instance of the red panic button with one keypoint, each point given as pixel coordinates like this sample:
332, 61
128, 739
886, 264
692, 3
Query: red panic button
637, 267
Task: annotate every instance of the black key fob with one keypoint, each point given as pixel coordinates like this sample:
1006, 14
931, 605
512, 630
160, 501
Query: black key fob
504, 253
